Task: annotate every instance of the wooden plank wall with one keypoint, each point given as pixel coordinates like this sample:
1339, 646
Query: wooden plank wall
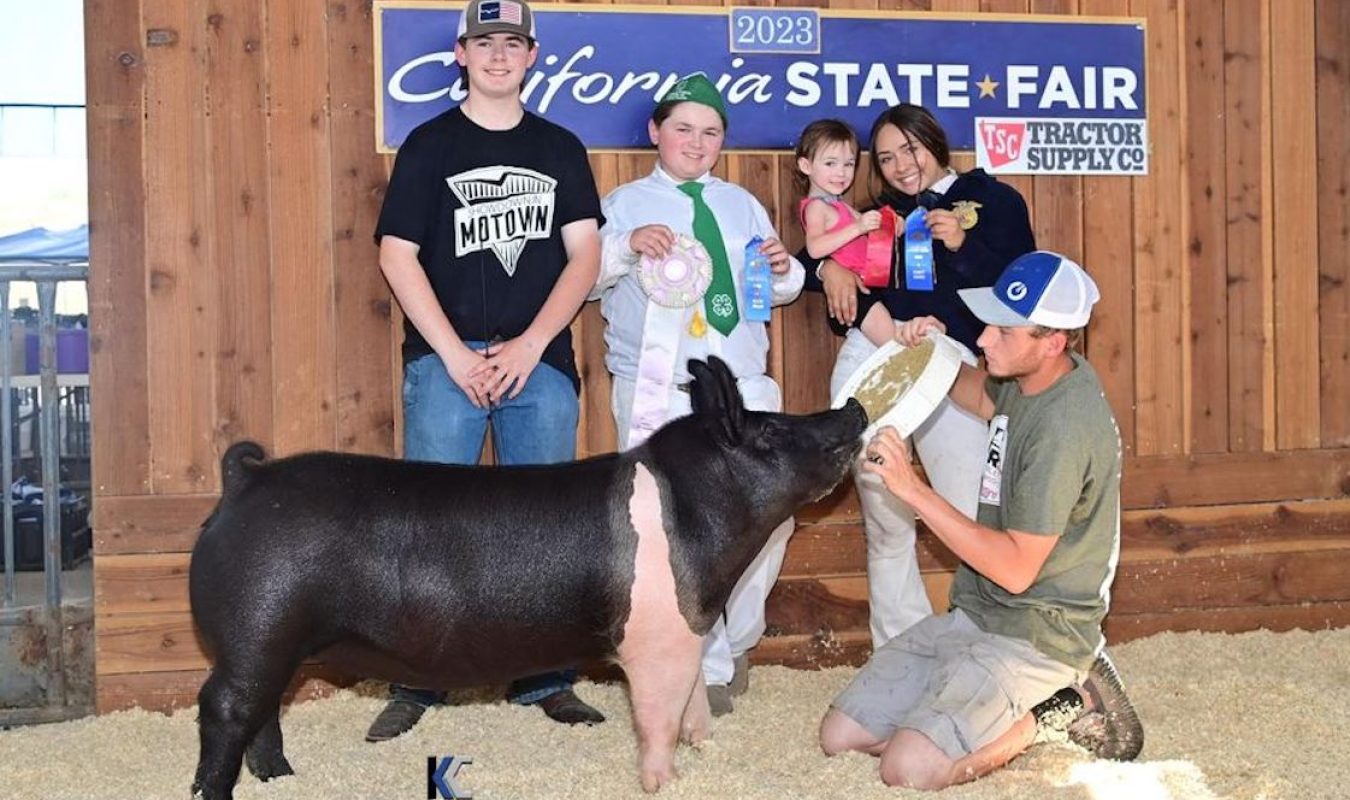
234, 189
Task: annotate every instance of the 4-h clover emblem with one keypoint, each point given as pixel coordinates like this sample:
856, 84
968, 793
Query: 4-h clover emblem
722, 305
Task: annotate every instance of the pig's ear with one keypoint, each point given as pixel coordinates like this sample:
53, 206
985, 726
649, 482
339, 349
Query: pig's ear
704, 395
715, 395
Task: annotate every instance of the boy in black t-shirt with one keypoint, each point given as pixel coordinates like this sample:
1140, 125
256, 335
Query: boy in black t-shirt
489, 240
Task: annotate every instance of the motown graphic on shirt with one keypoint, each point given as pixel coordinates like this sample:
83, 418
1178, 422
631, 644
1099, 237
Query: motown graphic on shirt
501, 209
991, 482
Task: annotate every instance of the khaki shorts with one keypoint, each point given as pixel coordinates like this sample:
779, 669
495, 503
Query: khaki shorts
952, 682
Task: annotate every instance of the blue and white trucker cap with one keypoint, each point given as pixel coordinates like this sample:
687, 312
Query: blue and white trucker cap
1039, 288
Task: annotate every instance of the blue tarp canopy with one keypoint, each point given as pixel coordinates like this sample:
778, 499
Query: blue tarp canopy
40, 245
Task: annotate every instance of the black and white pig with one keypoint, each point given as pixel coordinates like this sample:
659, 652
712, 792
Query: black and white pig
451, 576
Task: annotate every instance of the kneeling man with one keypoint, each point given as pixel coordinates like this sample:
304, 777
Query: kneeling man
960, 694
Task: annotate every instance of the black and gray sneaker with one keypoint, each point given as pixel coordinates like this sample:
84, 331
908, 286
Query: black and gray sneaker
1057, 712
719, 700
1110, 727
740, 678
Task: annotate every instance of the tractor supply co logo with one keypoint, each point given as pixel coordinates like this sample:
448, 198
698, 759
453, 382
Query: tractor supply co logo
441, 775
501, 209
1027, 146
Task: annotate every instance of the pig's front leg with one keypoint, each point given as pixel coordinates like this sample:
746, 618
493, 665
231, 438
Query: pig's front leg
661, 688
659, 653
697, 722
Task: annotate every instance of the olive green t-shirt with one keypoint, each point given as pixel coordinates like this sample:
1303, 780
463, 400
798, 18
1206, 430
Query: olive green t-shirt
1052, 468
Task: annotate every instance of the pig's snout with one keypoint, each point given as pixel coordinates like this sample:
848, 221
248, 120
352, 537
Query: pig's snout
841, 443
859, 416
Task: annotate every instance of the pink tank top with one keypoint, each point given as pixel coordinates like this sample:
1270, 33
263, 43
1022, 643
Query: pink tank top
853, 256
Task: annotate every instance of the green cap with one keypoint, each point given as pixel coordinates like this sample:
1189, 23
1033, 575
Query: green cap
695, 88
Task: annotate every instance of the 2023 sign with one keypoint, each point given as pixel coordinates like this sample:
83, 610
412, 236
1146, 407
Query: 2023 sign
775, 30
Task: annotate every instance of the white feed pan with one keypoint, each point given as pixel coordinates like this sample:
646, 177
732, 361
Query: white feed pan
917, 401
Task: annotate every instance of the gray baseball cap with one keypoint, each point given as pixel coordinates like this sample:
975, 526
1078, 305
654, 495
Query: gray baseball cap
483, 17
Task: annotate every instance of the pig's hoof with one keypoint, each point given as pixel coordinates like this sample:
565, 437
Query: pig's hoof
694, 737
200, 792
654, 779
267, 766
697, 733
695, 728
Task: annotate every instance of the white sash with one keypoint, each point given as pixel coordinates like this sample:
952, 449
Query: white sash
672, 285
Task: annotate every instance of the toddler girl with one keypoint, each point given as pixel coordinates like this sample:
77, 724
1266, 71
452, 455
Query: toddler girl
827, 157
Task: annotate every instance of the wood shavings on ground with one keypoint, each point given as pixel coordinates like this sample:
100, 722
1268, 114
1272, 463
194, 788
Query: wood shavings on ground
1256, 716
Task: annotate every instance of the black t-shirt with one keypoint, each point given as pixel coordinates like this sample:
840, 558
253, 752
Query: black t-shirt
1000, 231
487, 209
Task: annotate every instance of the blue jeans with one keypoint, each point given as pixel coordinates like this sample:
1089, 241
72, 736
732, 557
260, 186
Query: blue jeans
537, 426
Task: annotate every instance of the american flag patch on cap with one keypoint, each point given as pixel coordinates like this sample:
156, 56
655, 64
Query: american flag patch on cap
500, 11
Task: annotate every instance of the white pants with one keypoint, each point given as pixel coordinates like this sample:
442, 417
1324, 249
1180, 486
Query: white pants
742, 622
951, 445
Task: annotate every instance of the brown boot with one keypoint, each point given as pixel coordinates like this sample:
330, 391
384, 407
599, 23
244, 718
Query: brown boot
565, 707
397, 718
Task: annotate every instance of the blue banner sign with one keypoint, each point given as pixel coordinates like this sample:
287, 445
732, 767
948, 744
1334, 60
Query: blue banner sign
600, 68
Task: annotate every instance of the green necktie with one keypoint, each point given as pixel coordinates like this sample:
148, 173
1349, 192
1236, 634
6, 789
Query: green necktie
719, 302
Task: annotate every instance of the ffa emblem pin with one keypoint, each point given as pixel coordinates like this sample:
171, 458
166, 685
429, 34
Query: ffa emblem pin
966, 213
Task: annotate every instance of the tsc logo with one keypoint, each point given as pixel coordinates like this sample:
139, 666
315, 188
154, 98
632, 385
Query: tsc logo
441, 774
1002, 142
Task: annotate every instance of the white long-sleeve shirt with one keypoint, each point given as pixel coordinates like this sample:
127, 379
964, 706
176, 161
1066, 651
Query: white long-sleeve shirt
656, 199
